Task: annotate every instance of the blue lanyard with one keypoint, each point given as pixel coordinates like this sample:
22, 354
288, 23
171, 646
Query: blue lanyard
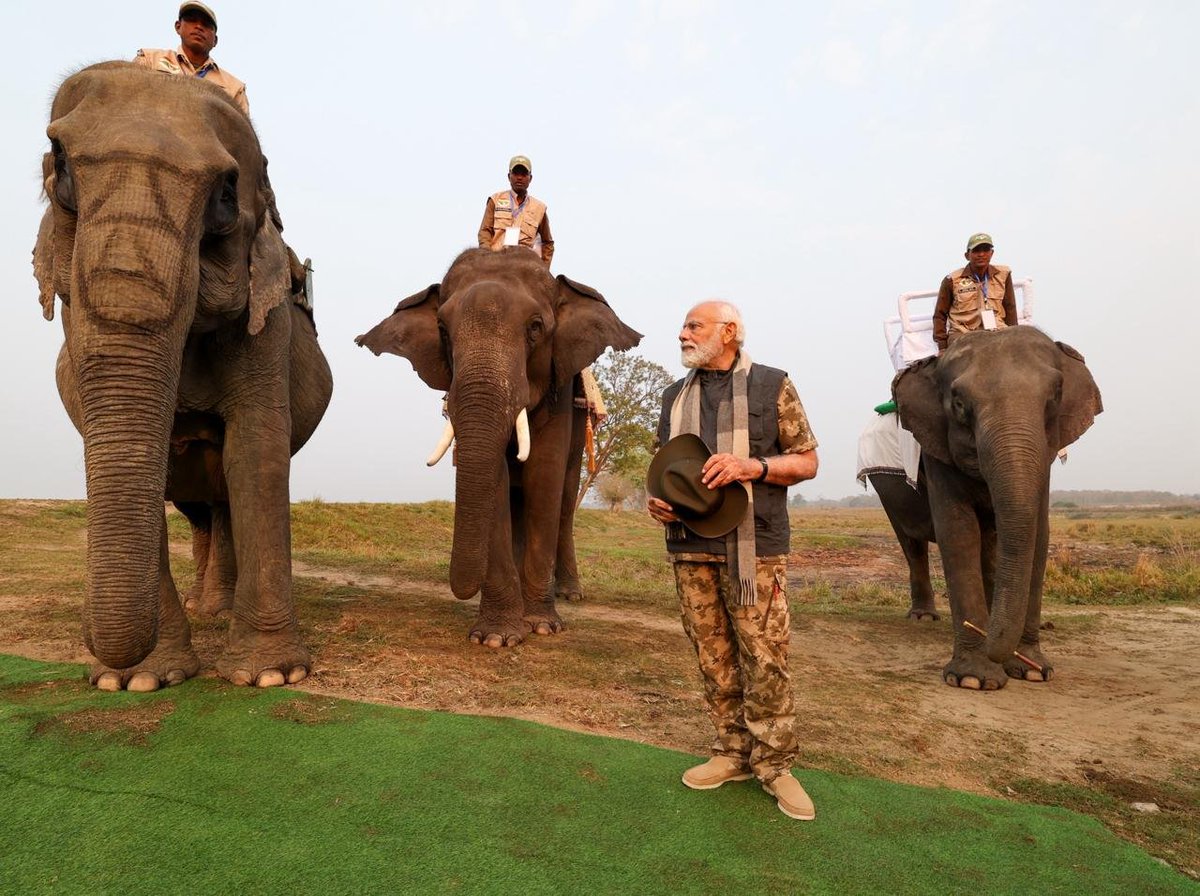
982, 281
517, 209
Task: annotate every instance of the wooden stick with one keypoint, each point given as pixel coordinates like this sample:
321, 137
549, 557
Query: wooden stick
1036, 667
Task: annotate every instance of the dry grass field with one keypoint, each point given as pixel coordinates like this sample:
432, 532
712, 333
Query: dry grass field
1117, 725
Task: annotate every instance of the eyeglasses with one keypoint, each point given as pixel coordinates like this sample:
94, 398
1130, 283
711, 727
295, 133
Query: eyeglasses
695, 326
984, 248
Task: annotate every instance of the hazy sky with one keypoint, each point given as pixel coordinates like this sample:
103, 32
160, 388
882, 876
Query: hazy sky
807, 161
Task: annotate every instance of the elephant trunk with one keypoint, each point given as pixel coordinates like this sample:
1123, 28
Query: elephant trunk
1018, 479
483, 430
128, 380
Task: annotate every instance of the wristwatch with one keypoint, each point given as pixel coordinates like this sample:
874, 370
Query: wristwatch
762, 477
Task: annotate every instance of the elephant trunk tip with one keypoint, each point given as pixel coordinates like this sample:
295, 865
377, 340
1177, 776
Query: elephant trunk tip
119, 653
1001, 641
464, 587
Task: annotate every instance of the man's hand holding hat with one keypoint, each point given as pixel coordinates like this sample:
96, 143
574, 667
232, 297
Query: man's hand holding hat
686, 483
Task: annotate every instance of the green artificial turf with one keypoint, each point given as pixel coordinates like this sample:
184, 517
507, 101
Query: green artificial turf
208, 788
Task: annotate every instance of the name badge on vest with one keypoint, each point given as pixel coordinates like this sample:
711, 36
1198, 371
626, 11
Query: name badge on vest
512, 236
989, 319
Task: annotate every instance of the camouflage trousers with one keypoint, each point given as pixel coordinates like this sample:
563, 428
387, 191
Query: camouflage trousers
743, 661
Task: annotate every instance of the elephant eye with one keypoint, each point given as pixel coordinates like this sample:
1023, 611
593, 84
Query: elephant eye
958, 407
64, 182
535, 329
221, 213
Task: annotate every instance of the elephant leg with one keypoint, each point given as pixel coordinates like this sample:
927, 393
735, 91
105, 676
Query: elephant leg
500, 622
1030, 643
920, 588
212, 551
566, 568
199, 517
543, 480
907, 510
960, 539
172, 660
220, 580
264, 646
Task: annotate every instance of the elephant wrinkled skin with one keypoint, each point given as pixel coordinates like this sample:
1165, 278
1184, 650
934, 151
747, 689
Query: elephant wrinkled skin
990, 414
187, 368
502, 337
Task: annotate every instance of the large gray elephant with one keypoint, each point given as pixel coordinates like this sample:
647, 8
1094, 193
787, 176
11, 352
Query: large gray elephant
506, 341
187, 367
990, 414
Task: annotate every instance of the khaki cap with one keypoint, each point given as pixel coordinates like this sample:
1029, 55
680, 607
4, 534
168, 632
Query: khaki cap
202, 8
520, 160
979, 239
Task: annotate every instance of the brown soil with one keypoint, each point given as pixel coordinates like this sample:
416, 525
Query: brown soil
1122, 696
1120, 711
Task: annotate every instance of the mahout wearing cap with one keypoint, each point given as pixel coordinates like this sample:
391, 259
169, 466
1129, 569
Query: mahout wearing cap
676, 476
199, 7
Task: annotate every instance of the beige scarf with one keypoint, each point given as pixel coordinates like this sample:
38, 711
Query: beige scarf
733, 437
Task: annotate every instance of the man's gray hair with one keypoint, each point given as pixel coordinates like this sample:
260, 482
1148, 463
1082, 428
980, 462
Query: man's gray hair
728, 312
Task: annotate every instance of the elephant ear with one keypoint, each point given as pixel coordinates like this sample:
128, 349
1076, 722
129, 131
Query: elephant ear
412, 332
585, 326
919, 404
43, 263
270, 274
1080, 397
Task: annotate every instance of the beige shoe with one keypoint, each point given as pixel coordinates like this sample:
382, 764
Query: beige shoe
716, 772
791, 798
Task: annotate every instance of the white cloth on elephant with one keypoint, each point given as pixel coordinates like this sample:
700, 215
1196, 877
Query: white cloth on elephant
887, 447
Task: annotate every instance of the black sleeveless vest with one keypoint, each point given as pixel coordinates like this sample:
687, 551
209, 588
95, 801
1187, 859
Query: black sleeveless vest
772, 532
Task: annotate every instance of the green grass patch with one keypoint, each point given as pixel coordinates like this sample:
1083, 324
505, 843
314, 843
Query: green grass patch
1146, 582
209, 788
1172, 832
1172, 531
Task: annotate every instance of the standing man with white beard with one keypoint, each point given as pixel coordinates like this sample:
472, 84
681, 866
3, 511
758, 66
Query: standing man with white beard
732, 588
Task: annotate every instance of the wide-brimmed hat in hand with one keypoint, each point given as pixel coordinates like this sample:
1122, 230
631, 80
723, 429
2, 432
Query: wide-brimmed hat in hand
675, 477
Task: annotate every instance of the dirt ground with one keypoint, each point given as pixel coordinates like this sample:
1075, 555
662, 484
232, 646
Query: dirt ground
1121, 708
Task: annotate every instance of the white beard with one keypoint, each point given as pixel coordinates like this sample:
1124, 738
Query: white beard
700, 354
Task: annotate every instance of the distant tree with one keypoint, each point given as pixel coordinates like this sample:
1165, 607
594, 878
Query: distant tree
632, 388
614, 490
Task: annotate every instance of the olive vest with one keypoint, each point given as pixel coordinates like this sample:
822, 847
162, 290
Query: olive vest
772, 531
967, 301
529, 220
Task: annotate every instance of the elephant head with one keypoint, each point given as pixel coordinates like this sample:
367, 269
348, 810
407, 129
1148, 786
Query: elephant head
997, 407
505, 340
159, 226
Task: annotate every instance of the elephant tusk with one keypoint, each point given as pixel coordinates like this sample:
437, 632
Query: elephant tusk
523, 435
443, 443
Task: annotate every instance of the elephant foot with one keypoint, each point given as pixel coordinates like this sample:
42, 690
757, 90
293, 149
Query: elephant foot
542, 626
208, 603
923, 614
568, 591
974, 672
210, 596
163, 668
1019, 669
263, 659
489, 633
